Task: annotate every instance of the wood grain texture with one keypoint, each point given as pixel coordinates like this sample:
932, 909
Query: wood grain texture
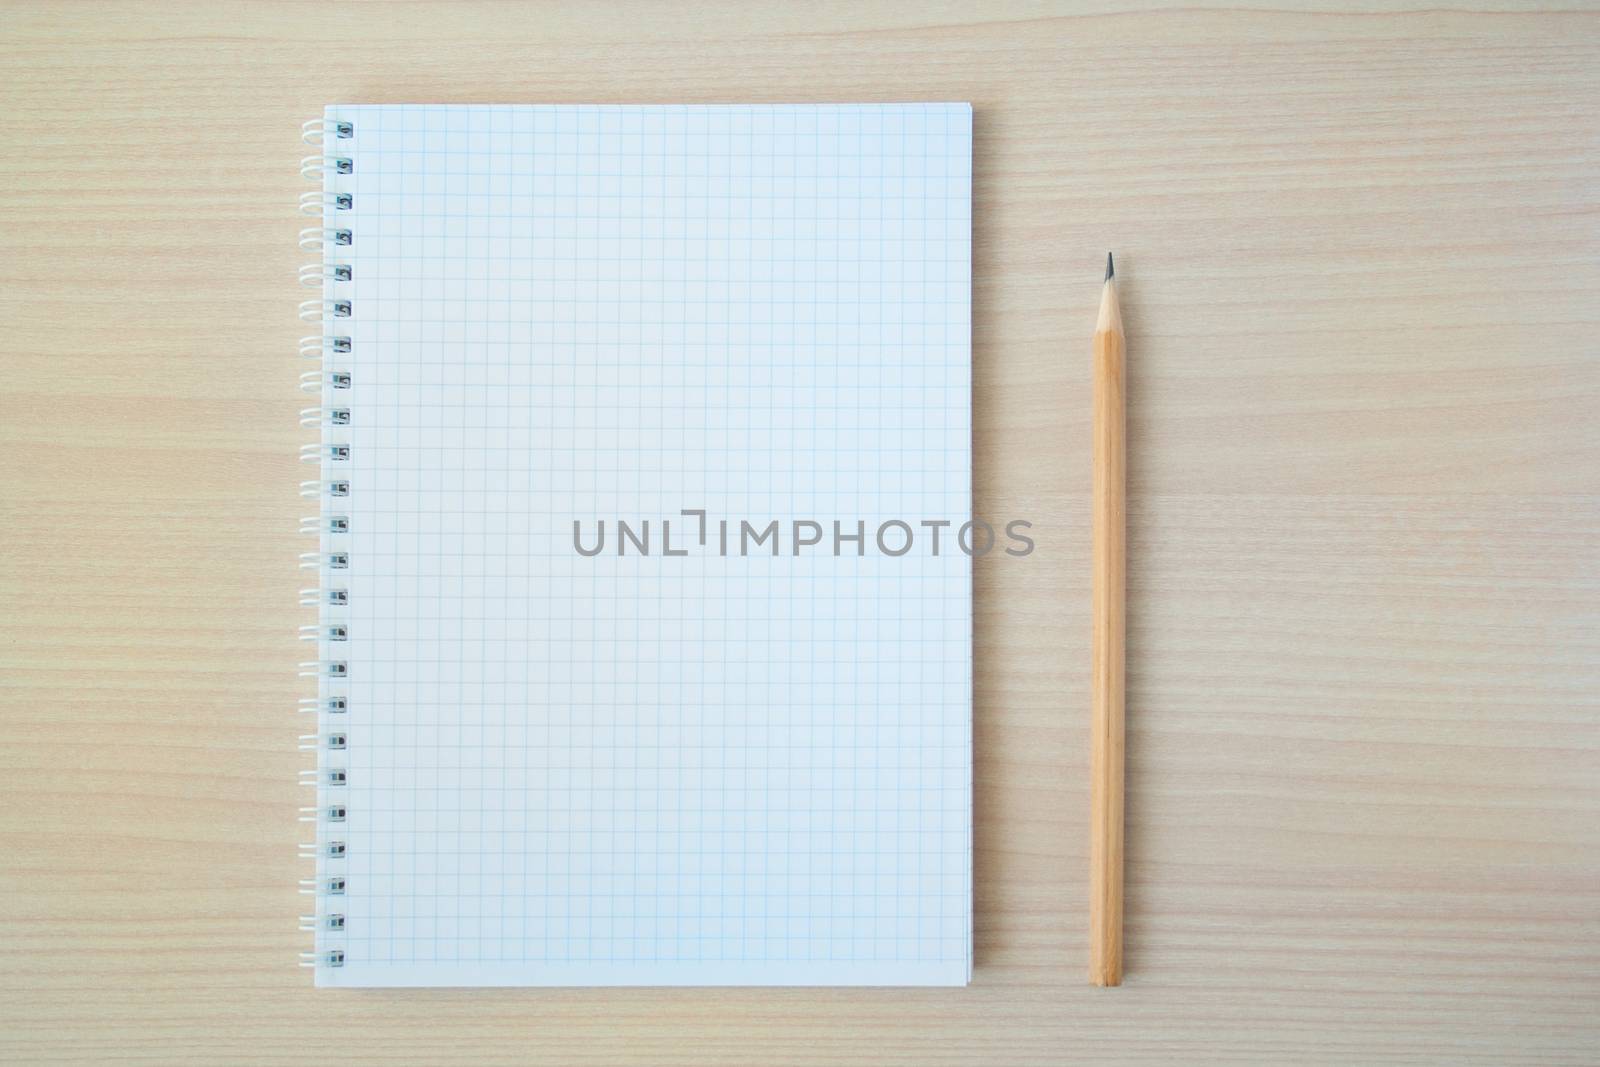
1360, 252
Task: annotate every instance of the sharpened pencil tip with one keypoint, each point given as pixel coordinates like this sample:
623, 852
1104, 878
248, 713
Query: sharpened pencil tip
1110, 267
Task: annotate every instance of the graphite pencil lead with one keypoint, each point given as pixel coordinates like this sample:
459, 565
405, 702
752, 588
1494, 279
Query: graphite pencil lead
1110, 269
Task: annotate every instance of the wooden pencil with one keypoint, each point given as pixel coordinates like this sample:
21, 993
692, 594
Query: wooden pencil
1110, 575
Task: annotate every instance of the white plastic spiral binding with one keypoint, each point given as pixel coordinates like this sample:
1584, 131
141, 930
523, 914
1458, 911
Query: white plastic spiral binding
310, 417
315, 381
317, 204
316, 238
315, 274
313, 488
325, 310
321, 346
317, 132
315, 168
318, 452
331, 381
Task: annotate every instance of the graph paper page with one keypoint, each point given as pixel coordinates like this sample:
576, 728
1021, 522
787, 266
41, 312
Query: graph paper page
683, 759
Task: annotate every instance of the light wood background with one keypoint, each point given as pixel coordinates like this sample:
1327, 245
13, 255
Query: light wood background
1359, 253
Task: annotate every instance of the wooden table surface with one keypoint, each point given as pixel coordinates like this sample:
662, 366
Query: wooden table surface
1360, 262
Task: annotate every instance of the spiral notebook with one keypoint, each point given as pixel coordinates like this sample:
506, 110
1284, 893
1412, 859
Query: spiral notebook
644, 636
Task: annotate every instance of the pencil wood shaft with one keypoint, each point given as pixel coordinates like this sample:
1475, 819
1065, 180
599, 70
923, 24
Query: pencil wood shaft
1110, 575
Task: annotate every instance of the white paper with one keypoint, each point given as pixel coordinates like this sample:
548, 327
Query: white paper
648, 769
